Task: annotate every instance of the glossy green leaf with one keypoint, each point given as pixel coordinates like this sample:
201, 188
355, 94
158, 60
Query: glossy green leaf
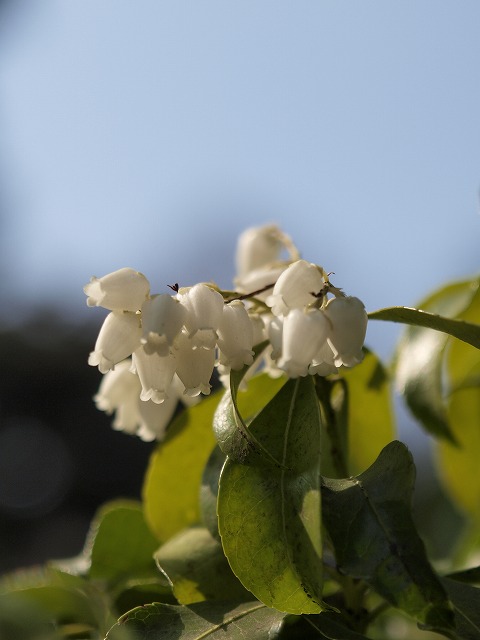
203, 621
470, 576
269, 515
465, 331
209, 491
369, 521
459, 465
420, 355
236, 410
121, 544
172, 482
194, 563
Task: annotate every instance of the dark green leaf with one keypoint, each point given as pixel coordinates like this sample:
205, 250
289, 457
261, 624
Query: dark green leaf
370, 524
470, 576
420, 354
204, 620
196, 566
270, 516
466, 607
173, 478
22, 620
121, 543
331, 626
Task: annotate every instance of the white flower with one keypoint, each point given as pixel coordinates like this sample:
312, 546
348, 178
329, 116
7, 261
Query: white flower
162, 320
348, 320
118, 338
204, 308
304, 332
258, 279
235, 336
122, 290
294, 287
323, 362
155, 373
194, 367
119, 391
155, 418
257, 247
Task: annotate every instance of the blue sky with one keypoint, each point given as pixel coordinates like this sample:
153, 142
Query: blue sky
150, 134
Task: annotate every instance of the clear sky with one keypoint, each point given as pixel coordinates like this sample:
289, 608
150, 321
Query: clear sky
149, 134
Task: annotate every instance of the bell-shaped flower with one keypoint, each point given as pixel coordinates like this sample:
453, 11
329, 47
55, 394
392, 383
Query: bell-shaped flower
235, 336
304, 332
259, 279
162, 319
294, 287
323, 362
118, 338
275, 335
204, 307
121, 290
155, 418
155, 373
257, 247
348, 320
119, 392
194, 367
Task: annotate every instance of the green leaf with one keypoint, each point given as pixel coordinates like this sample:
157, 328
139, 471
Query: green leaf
172, 482
68, 600
465, 331
194, 563
21, 620
470, 576
204, 620
121, 544
209, 491
270, 516
369, 419
237, 409
331, 626
369, 522
466, 607
420, 354
459, 465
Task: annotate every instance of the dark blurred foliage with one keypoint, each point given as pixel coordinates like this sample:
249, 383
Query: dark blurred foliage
59, 457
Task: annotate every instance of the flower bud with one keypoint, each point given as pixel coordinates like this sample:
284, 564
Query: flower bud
257, 247
122, 290
194, 366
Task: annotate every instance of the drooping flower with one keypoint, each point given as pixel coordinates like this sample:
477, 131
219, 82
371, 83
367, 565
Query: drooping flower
235, 336
119, 392
121, 290
118, 338
204, 307
348, 320
155, 373
295, 286
162, 320
194, 367
304, 332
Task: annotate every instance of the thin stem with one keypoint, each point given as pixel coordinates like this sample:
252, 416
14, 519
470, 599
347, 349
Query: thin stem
245, 296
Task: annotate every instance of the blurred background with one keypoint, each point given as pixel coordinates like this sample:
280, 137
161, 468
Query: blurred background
151, 134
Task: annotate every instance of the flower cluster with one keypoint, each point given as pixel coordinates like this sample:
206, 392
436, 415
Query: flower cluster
156, 349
